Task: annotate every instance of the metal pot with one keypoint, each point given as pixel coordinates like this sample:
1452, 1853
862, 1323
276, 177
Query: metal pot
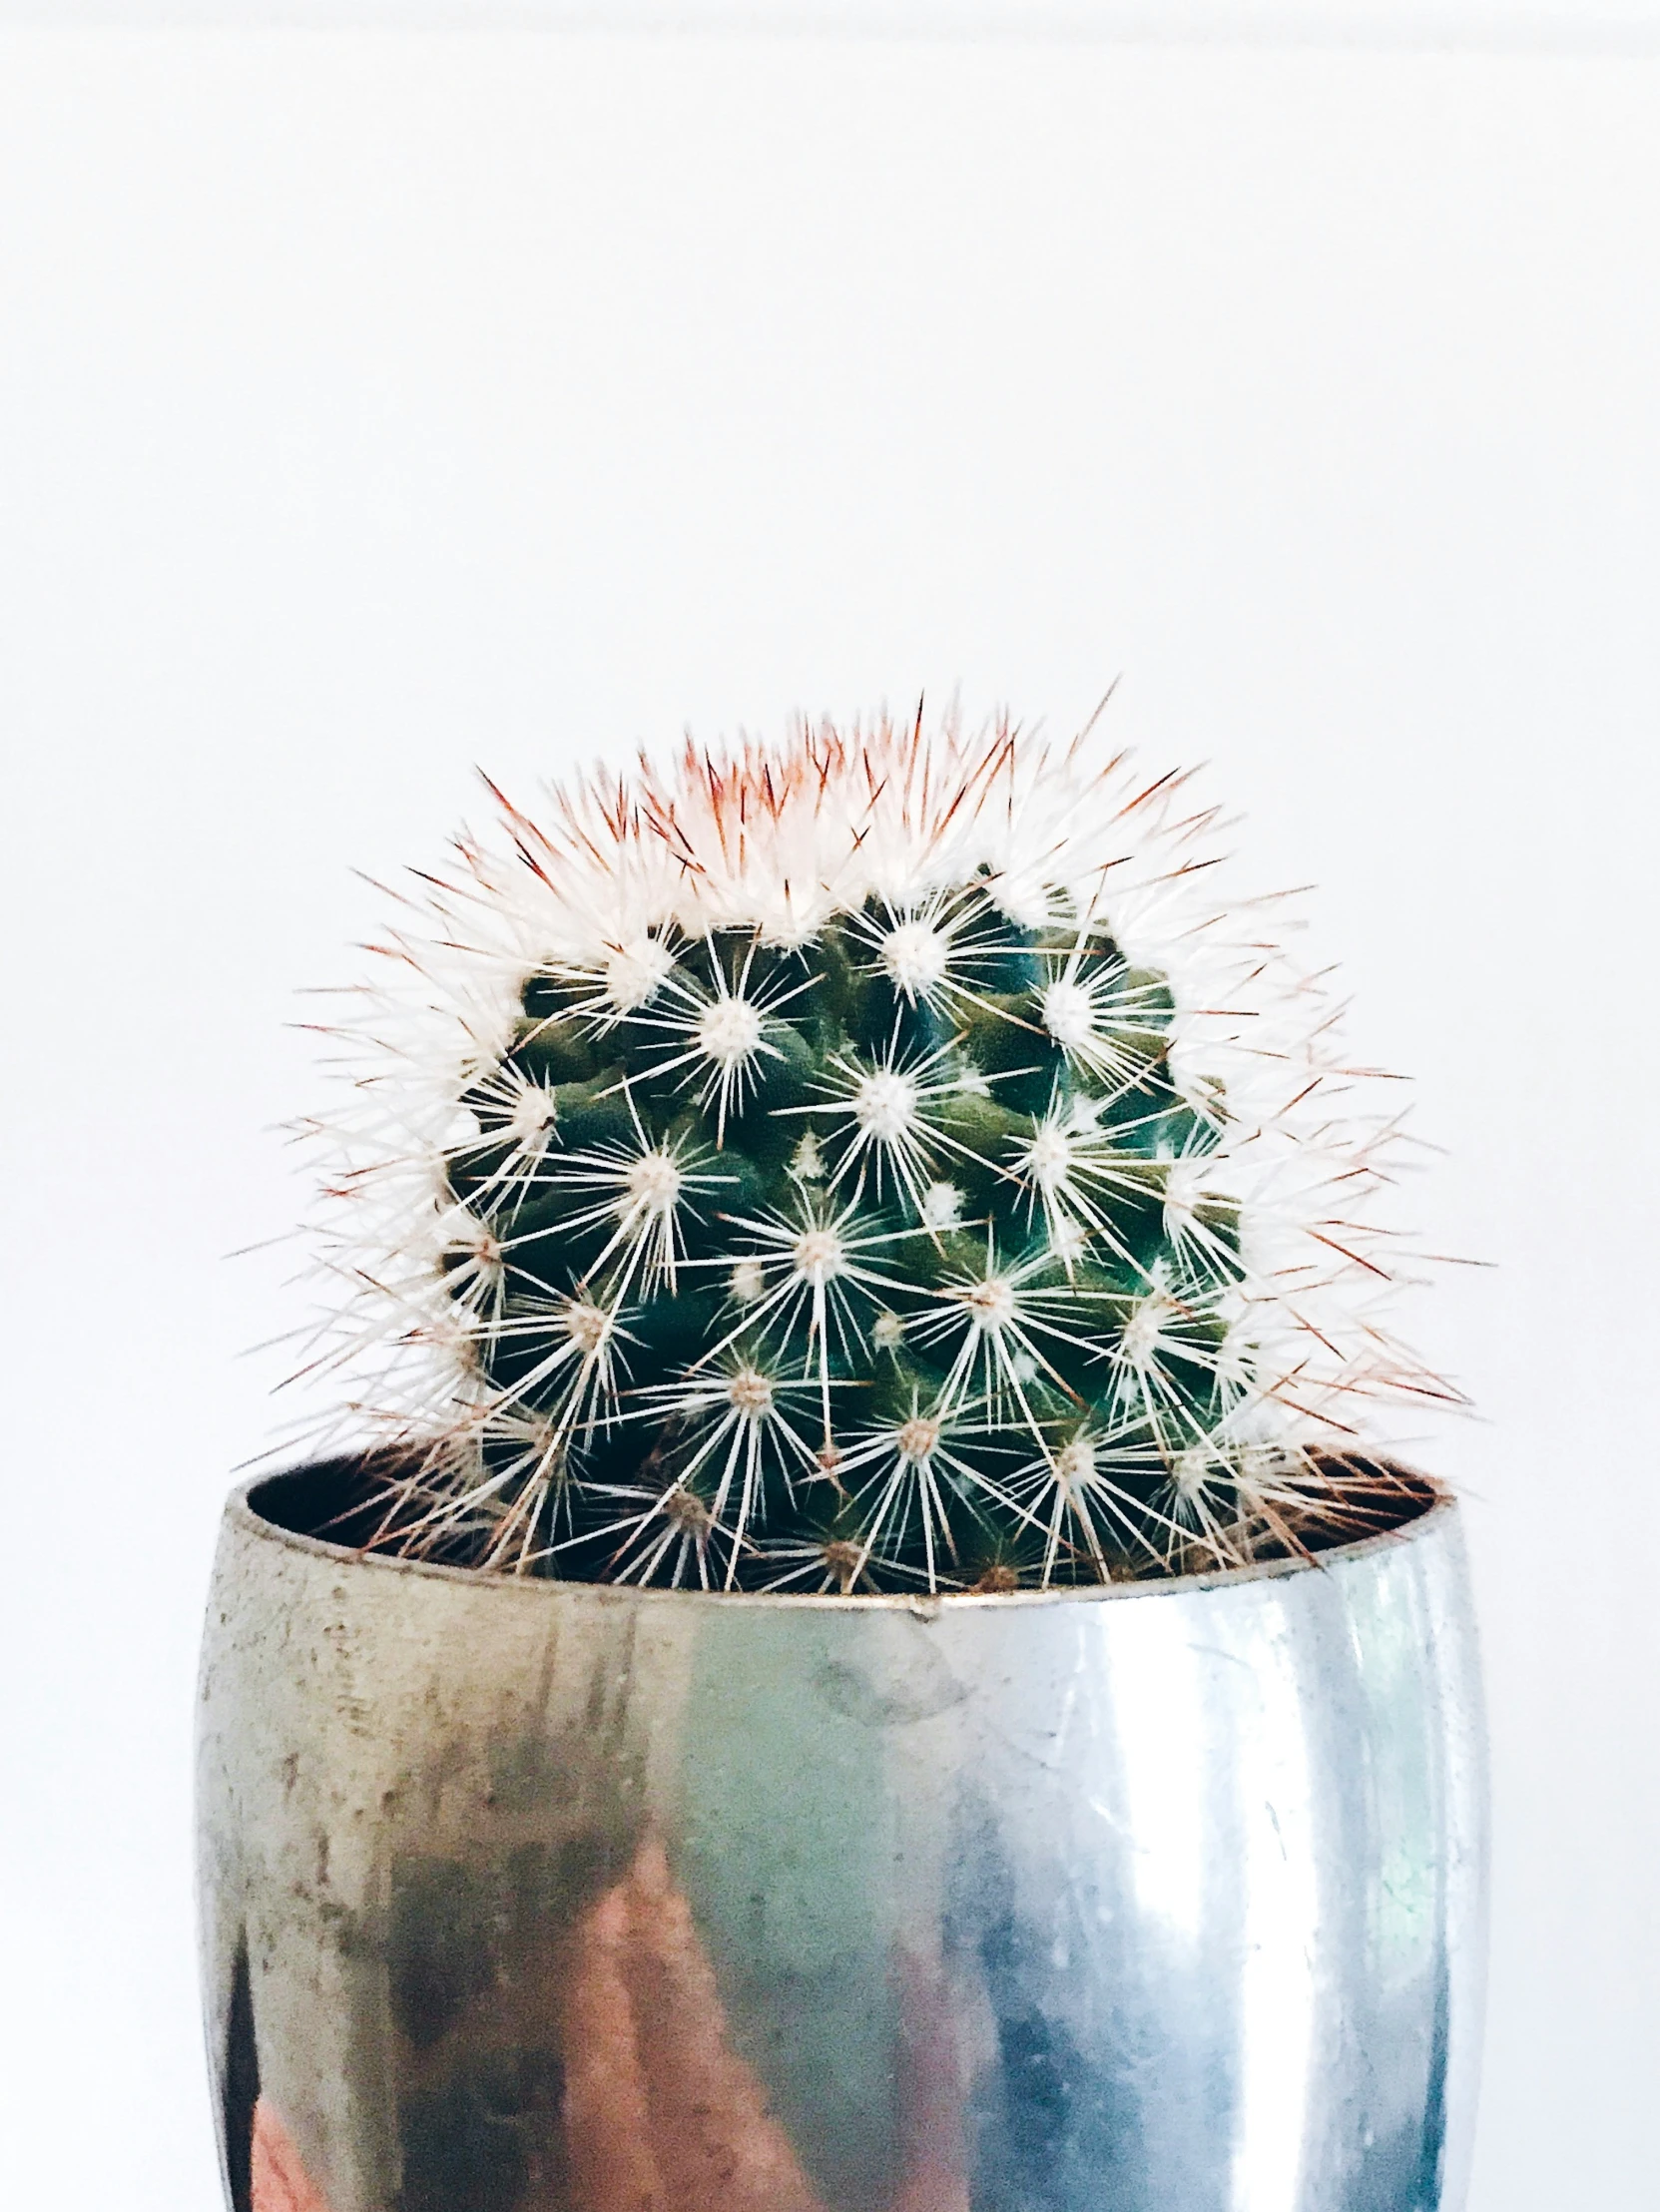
537, 1896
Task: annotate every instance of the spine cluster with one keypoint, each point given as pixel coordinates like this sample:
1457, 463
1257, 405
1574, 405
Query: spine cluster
858, 1168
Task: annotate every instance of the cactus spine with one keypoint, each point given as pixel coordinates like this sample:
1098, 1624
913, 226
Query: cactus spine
867, 1165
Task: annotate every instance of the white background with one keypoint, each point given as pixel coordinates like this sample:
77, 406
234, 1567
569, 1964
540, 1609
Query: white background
371, 406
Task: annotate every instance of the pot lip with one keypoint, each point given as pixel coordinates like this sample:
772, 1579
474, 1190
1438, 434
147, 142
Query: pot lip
240, 1513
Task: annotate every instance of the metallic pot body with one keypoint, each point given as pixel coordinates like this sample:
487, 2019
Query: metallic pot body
530, 1897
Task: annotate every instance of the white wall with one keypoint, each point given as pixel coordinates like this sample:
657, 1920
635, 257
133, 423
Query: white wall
375, 405
1560, 26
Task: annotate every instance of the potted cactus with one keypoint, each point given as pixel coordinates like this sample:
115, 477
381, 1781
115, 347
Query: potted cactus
859, 1649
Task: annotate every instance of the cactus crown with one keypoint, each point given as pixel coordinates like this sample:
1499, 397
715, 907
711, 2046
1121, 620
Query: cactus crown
871, 1164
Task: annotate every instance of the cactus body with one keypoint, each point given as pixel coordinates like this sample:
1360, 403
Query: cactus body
861, 1167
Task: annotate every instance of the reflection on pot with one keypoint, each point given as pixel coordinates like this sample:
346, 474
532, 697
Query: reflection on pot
541, 1897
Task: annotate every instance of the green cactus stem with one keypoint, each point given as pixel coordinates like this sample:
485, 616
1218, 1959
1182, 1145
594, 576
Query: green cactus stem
833, 1193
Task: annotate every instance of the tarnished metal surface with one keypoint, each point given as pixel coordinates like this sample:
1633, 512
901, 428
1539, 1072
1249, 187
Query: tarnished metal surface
558, 1899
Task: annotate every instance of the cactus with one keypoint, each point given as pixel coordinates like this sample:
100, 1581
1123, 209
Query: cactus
868, 1163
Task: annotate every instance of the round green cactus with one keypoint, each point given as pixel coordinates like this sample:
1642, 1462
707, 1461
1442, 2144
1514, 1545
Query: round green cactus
834, 1190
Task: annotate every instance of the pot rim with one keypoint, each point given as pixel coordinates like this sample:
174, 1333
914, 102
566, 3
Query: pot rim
239, 1511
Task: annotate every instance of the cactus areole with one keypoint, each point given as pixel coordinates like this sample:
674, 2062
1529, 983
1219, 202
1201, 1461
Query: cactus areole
883, 1162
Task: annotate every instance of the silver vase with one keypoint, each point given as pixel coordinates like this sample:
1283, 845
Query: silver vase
530, 1897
